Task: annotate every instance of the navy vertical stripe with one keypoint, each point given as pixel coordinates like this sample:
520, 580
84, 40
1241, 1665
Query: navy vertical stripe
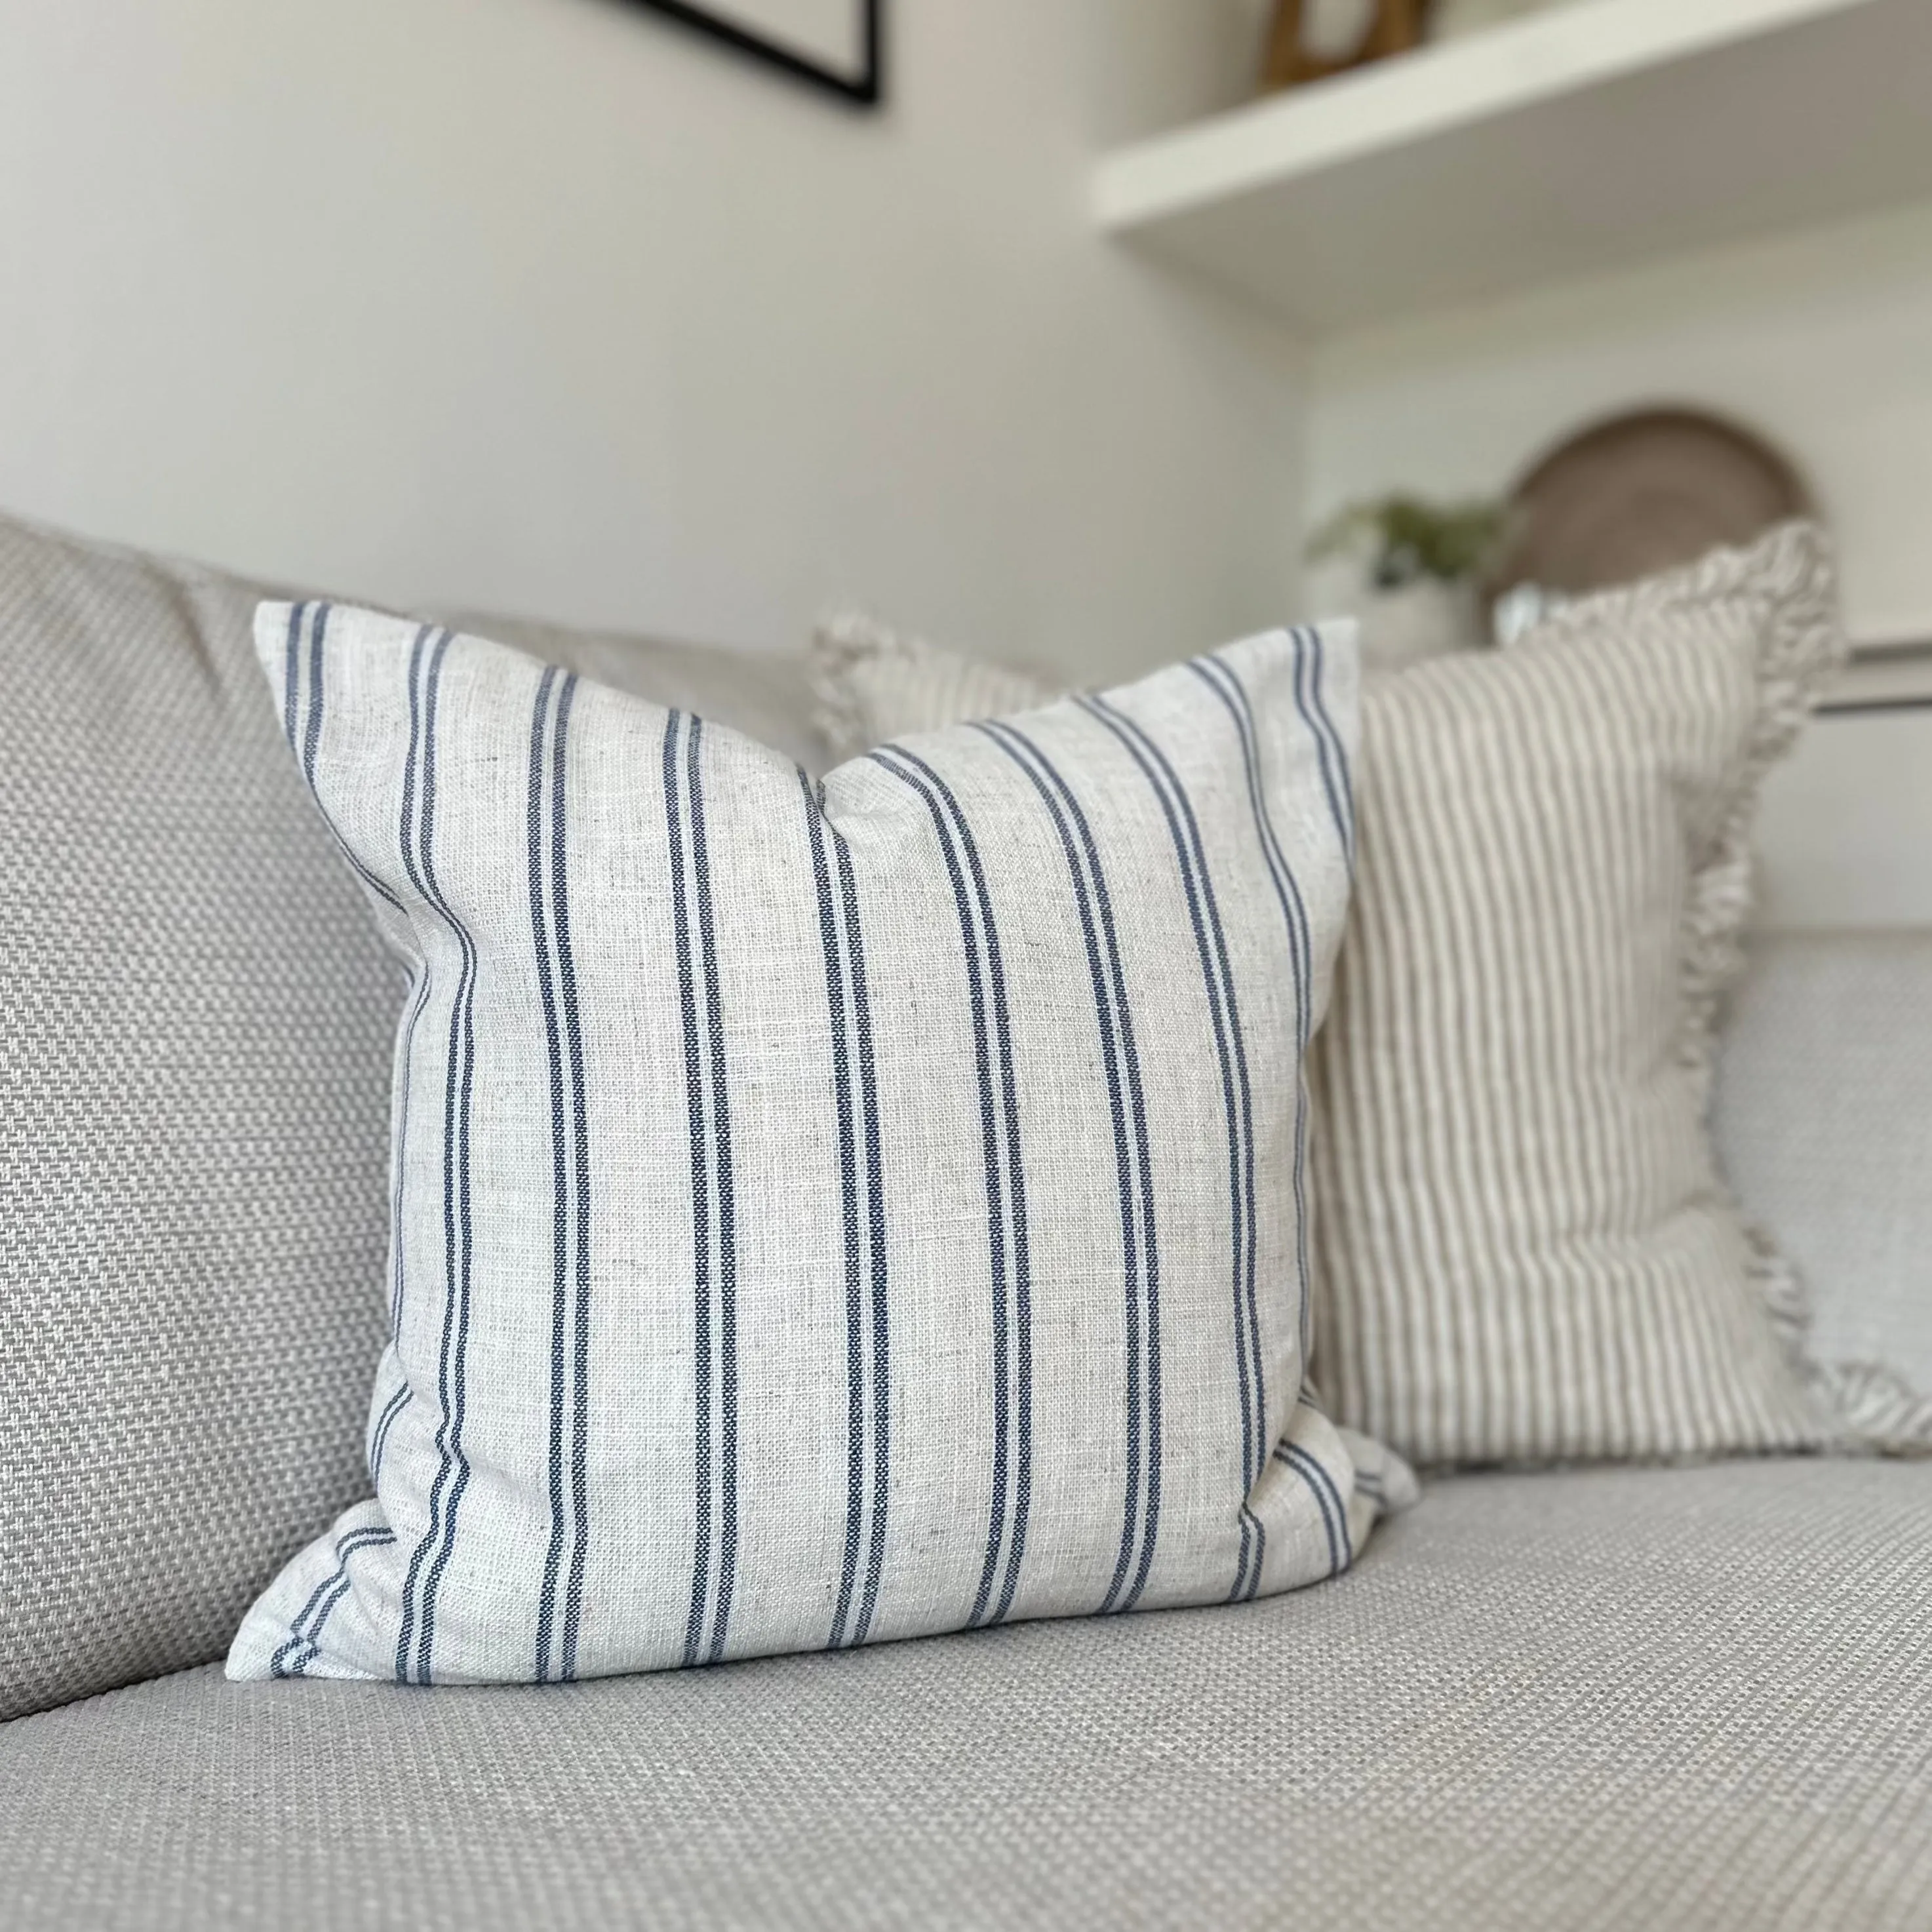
875, 1226
989, 1117
700, 1199
1237, 1099
1327, 1500
301, 724
338, 1589
308, 746
415, 1641
858, 1466
1327, 1482
1120, 1061
726, 1223
1220, 678
305, 1628
312, 731
561, 1174
573, 1037
1005, 1186
1334, 760
418, 1001
714, 1354
453, 1475
408, 837
380, 1435
292, 679
868, 1393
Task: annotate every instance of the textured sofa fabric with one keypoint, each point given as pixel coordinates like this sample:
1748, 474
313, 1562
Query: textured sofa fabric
1635, 1698
196, 1028
195, 1019
1824, 1115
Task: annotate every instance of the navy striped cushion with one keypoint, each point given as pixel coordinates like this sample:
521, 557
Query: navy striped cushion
825, 1212
1527, 1251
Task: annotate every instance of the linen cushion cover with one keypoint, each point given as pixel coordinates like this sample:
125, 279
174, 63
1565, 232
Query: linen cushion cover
825, 1214
1525, 1250
197, 1022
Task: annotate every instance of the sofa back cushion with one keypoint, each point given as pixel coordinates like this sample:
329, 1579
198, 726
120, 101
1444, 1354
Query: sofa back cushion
196, 1020
1823, 1115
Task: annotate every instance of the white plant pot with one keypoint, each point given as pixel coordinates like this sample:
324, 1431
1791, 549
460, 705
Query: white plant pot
1424, 620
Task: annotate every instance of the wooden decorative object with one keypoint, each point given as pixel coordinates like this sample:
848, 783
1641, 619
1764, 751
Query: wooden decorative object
1641, 493
1313, 39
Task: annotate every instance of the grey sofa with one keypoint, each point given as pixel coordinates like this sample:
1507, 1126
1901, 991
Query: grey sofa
1696, 1697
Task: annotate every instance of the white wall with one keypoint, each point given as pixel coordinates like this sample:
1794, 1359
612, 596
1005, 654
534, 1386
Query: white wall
1823, 341
543, 305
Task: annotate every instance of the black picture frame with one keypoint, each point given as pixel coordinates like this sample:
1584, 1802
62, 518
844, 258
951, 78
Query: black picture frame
865, 89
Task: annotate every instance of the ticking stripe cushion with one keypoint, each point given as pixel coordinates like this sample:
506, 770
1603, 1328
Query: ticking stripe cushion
1525, 1250
827, 1213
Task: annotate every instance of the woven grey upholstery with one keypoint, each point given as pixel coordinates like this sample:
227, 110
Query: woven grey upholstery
196, 1019
1823, 1116
1619, 1699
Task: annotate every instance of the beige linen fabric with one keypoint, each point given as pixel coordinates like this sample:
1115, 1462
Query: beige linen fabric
829, 1212
1524, 1248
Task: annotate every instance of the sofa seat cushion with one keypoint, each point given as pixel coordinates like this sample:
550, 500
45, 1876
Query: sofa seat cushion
1640, 1698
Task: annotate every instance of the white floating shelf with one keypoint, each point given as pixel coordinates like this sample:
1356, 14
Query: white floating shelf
1595, 135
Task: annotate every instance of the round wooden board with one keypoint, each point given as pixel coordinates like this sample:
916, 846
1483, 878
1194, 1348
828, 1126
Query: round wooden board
1641, 493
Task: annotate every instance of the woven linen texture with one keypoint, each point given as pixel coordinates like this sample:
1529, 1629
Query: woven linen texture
1627, 1699
1524, 1248
826, 1214
197, 1016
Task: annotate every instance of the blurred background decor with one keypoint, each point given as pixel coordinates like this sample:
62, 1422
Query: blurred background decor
1313, 39
1632, 495
1422, 567
835, 44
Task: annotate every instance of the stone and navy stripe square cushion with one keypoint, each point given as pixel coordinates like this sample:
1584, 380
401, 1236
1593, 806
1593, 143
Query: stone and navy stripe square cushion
827, 1212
